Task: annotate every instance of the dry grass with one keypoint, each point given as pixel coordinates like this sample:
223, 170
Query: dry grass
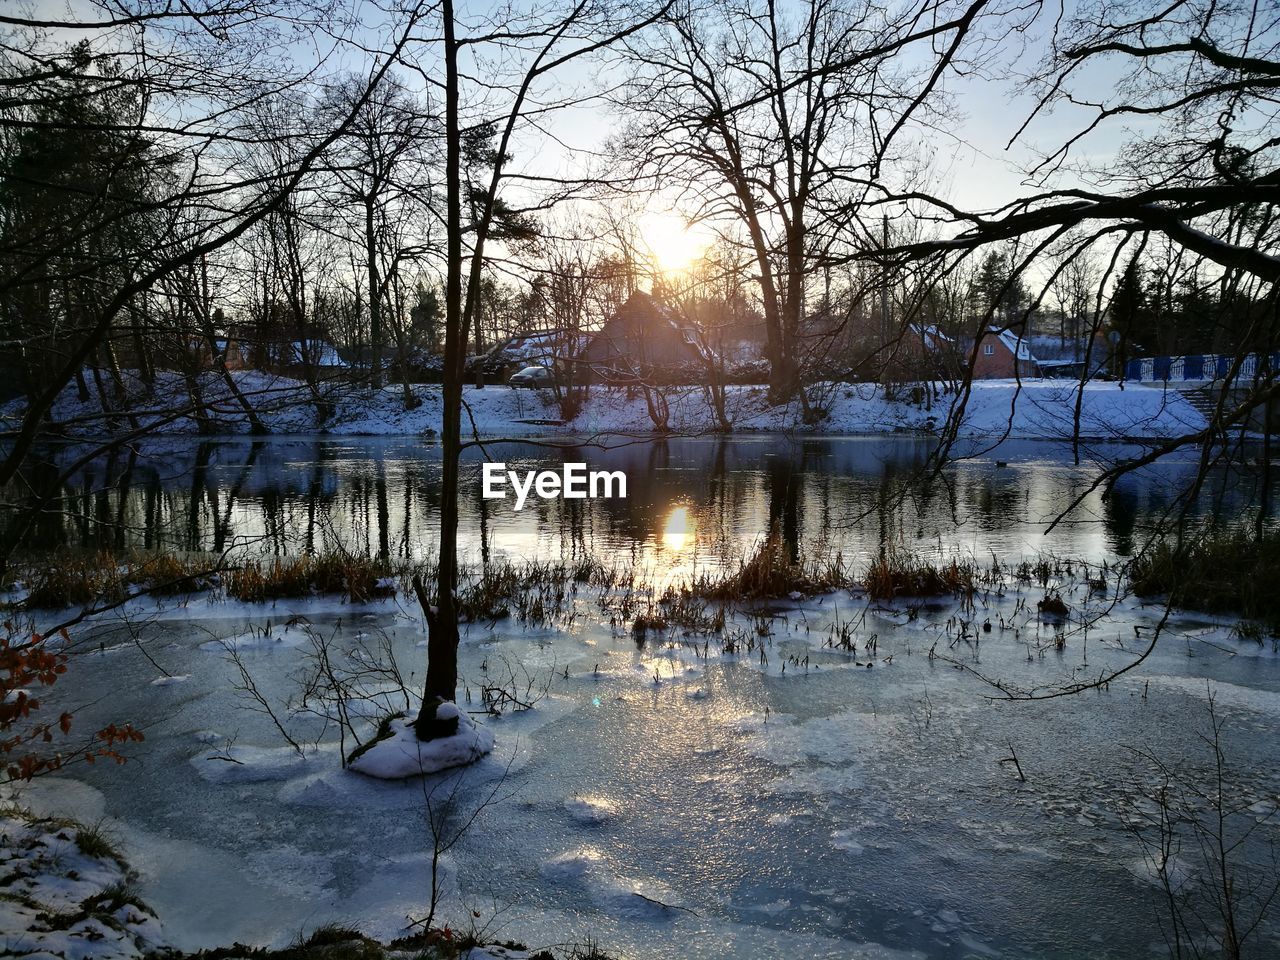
73, 578
902, 574
359, 579
772, 571
1222, 572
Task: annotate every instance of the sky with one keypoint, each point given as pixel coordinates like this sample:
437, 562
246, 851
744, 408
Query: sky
972, 164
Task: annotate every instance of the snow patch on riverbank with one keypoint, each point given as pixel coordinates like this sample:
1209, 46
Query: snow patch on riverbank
1032, 409
60, 901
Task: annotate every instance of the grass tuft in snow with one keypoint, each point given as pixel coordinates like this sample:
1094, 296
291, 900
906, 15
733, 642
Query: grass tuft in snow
330, 942
587, 950
94, 841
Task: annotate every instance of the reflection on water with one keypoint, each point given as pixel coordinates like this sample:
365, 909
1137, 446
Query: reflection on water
692, 502
677, 534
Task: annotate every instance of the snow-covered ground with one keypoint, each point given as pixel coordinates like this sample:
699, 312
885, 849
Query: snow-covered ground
402, 754
64, 894
1033, 409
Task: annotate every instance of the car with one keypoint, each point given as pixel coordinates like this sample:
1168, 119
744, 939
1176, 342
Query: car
532, 377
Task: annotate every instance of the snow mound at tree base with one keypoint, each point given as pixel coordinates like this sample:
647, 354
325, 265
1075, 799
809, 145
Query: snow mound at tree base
401, 754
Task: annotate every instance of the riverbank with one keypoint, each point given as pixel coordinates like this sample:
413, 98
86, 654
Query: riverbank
67, 892
1033, 409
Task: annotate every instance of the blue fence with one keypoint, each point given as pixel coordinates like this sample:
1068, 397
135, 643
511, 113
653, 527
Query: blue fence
1194, 367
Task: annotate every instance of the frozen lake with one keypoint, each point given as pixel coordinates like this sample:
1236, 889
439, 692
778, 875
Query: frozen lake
671, 800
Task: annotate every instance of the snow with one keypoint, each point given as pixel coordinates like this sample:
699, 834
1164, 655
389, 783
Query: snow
495, 953
591, 811
249, 764
403, 755
1030, 409
272, 637
47, 880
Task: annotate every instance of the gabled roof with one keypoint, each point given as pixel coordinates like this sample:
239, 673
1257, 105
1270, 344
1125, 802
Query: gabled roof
642, 309
319, 352
932, 337
1013, 343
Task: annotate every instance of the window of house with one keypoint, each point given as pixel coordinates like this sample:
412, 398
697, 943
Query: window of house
988, 349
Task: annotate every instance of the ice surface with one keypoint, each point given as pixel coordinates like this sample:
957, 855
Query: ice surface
814, 814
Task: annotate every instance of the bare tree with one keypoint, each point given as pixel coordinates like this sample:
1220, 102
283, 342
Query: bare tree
193, 104
549, 41
383, 168
779, 121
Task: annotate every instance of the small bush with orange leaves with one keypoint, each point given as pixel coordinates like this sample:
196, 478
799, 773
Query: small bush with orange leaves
30, 744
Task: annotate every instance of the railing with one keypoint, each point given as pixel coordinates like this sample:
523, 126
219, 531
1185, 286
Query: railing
1193, 368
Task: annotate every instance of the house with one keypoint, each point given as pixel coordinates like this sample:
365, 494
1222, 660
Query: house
226, 350
319, 353
1003, 354
643, 340
920, 352
291, 356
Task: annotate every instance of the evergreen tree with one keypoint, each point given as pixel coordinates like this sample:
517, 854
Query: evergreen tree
1131, 313
74, 216
995, 293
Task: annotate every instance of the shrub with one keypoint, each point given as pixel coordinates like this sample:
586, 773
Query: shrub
900, 574
1220, 572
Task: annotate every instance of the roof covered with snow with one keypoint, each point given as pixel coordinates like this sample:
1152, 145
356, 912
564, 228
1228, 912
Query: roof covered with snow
1014, 343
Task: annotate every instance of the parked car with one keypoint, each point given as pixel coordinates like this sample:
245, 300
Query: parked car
532, 377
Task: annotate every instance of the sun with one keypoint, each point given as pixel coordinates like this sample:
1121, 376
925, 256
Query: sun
674, 245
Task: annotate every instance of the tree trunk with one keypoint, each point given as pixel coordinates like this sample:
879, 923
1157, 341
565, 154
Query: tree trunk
442, 621
375, 296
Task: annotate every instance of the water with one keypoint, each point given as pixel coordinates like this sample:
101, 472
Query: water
712, 497
828, 810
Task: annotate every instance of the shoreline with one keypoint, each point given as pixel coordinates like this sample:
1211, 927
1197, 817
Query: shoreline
1044, 410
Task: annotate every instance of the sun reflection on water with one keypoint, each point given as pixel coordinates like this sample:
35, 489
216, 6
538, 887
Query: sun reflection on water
677, 532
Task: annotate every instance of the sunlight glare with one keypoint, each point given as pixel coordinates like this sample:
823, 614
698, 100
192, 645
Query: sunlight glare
677, 534
674, 245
